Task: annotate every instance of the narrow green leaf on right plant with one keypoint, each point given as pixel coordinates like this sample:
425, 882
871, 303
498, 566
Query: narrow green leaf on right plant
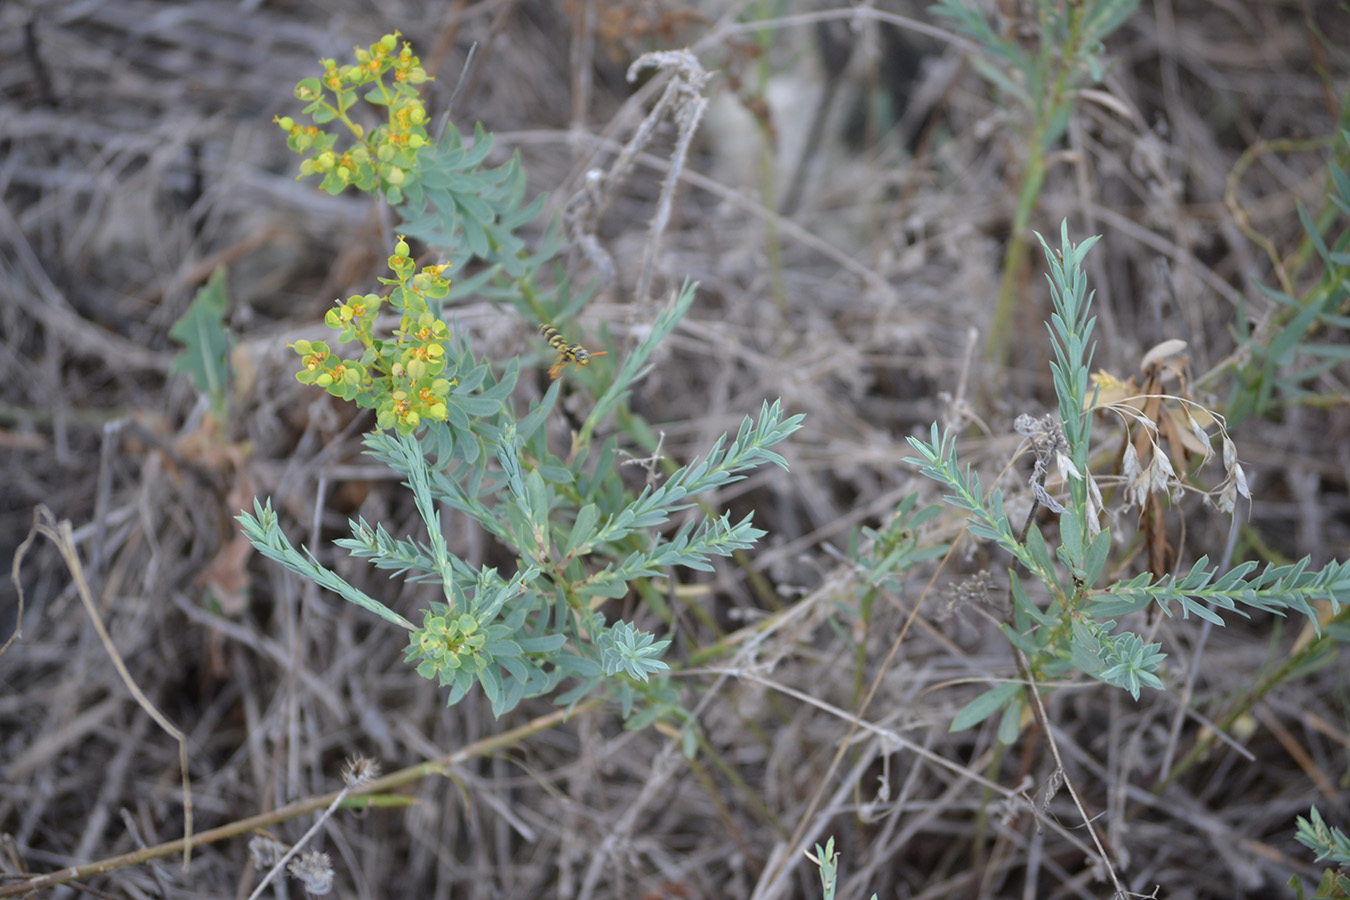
984, 706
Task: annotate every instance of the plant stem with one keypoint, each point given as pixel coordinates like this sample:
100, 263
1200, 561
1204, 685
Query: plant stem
1049, 108
393, 780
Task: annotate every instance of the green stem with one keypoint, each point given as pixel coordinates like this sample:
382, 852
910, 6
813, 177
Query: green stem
1047, 111
1014, 259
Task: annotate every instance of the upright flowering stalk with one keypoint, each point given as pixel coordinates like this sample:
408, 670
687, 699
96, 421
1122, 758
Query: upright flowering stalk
381, 159
404, 379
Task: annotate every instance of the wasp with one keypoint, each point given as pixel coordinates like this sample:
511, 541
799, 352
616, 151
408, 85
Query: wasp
567, 353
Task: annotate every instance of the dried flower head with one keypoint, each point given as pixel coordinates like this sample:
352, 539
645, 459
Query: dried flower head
314, 870
1234, 481
974, 589
266, 851
1170, 432
1048, 443
359, 771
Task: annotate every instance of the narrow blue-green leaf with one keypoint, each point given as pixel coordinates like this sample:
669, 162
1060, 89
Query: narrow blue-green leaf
984, 706
1313, 234
1071, 539
1024, 603
1010, 725
1097, 554
546, 644
536, 502
600, 587
582, 530
1104, 18
492, 684
1040, 553
994, 75
206, 341
1021, 640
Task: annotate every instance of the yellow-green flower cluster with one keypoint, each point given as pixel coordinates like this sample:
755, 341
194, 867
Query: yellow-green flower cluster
384, 158
320, 367
403, 379
446, 643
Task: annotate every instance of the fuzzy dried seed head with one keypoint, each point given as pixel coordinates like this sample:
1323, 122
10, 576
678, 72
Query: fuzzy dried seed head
266, 851
974, 589
359, 771
1046, 434
314, 870
1048, 443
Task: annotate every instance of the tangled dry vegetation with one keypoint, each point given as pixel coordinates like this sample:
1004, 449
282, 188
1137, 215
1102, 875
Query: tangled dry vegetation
138, 155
